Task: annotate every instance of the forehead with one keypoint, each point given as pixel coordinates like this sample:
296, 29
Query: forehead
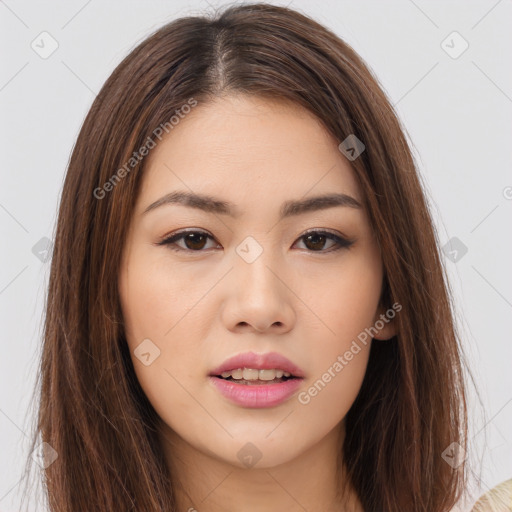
249, 149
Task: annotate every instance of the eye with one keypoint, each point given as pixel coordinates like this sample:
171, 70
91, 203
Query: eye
316, 241
196, 241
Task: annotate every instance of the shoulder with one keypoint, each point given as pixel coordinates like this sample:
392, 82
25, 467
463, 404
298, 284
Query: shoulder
497, 499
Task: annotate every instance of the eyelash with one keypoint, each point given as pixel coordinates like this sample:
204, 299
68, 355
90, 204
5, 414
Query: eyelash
343, 243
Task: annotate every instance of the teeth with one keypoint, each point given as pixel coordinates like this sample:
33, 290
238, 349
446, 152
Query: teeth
250, 374
237, 374
254, 374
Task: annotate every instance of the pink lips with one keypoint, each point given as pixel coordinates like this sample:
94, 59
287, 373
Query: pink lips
260, 362
256, 395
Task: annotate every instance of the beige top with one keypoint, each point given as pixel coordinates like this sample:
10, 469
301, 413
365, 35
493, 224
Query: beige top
498, 499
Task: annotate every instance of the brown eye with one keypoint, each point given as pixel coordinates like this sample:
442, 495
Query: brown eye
316, 240
194, 241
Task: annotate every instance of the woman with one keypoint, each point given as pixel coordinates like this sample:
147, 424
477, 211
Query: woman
247, 308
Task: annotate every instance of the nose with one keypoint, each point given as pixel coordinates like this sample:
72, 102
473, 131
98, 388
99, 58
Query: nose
258, 298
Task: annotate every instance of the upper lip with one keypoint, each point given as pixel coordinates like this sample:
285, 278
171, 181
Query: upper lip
260, 362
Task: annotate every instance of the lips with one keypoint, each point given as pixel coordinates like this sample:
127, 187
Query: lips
268, 361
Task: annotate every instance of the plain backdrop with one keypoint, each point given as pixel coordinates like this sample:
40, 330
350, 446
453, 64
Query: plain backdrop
455, 103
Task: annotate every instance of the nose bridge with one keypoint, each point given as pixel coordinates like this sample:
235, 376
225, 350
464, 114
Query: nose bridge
256, 295
253, 264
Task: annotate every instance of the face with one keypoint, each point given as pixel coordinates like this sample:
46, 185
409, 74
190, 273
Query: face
248, 272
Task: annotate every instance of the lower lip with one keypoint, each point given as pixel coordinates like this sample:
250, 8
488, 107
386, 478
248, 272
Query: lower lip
256, 396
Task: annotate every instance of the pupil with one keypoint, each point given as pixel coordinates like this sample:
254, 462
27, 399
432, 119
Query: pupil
317, 245
190, 239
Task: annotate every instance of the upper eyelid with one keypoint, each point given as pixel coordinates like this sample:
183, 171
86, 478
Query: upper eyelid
347, 241
178, 234
203, 232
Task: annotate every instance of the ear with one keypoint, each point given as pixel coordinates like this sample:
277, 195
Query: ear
385, 321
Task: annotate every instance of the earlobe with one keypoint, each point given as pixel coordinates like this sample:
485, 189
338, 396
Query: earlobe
387, 332
385, 324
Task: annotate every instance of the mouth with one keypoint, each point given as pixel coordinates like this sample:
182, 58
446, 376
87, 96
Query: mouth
254, 376
253, 380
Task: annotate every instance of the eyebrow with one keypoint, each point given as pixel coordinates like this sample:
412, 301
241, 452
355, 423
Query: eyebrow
289, 208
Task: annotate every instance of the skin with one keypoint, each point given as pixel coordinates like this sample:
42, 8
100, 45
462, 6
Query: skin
305, 301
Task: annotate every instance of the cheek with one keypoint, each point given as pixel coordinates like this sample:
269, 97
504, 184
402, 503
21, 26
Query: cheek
157, 304
347, 303
340, 358
153, 296
347, 308
330, 393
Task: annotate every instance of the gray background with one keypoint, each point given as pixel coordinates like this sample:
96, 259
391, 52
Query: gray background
457, 112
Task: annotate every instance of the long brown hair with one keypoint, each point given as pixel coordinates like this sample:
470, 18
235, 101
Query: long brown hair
92, 411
